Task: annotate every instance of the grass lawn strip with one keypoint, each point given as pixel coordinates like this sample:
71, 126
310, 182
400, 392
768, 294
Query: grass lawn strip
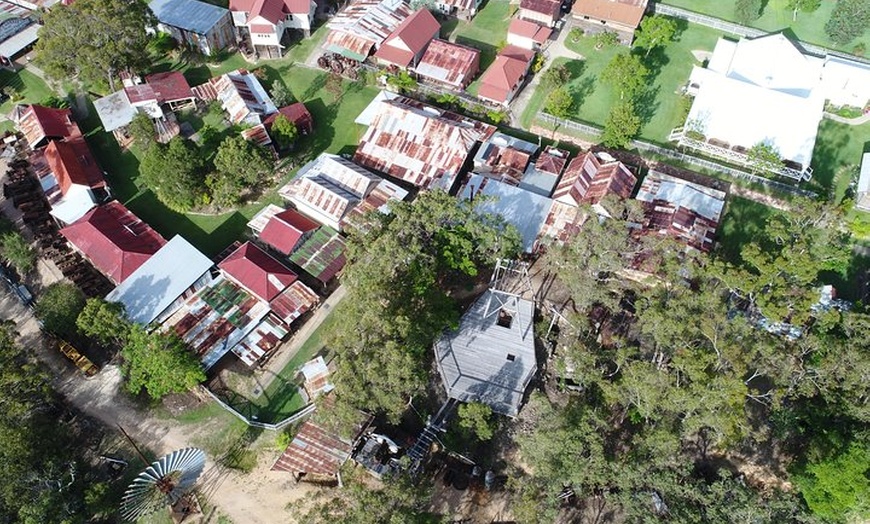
809, 27
487, 31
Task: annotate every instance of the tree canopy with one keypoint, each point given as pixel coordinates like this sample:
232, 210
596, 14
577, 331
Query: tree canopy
849, 20
159, 363
747, 11
655, 31
626, 74
174, 172
284, 132
17, 251
241, 159
59, 306
422, 245
94, 40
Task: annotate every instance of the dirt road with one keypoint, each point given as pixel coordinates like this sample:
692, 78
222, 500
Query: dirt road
256, 498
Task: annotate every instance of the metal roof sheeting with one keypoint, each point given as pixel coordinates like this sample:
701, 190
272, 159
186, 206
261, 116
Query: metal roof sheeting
314, 451
448, 63
322, 255
190, 15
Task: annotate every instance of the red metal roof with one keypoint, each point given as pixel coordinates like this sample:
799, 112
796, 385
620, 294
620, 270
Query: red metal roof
503, 76
293, 302
313, 451
449, 63
169, 87
40, 122
545, 7
257, 272
262, 29
140, 93
354, 43
296, 113
72, 163
271, 10
114, 240
284, 230
409, 38
552, 160
588, 180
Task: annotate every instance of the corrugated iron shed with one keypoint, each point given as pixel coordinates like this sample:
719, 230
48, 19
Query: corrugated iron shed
314, 451
449, 63
322, 255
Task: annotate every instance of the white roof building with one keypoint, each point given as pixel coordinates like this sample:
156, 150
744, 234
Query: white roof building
160, 285
115, 110
759, 90
846, 82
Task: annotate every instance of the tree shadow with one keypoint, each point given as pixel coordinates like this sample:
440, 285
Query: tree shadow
826, 155
647, 104
319, 140
681, 25
315, 86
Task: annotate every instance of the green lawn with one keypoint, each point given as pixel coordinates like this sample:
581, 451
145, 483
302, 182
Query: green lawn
660, 107
837, 153
487, 31
282, 398
211, 234
809, 27
742, 222
31, 87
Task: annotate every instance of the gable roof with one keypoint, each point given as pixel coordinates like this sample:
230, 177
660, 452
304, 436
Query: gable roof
447, 62
271, 10
190, 15
71, 162
505, 73
157, 283
170, 86
364, 24
485, 361
420, 144
409, 39
257, 272
39, 122
115, 110
243, 97
587, 180
114, 239
322, 255
284, 230
685, 210
296, 113
545, 7
313, 451
528, 29
625, 12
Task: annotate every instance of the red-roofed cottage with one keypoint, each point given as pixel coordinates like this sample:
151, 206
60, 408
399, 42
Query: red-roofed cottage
114, 240
526, 34
405, 46
287, 230
545, 12
39, 124
619, 16
262, 24
501, 81
296, 113
257, 272
171, 88
73, 182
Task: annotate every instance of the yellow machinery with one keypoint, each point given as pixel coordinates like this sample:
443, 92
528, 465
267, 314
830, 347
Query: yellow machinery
81, 361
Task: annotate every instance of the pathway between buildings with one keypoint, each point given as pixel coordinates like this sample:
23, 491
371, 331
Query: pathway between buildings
857, 121
267, 373
555, 50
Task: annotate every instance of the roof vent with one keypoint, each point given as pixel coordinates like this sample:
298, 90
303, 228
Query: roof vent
505, 319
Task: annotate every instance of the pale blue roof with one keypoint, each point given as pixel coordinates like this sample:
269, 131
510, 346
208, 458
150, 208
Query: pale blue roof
190, 15
157, 283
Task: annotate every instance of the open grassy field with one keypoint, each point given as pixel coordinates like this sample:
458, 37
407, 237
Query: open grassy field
809, 27
31, 88
212, 233
487, 31
660, 107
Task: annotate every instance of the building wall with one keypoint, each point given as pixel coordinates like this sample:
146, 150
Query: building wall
592, 26
219, 37
521, 41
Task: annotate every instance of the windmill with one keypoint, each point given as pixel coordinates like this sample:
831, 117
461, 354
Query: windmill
166, 482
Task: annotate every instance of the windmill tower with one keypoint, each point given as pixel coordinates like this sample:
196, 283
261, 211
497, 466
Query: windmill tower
166, 482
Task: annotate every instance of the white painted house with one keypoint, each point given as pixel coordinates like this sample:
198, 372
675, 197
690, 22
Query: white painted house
262, 23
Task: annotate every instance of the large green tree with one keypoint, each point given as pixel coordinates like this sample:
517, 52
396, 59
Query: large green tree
747, 11
59, 306
103, 321
94, 40
396, 279
621, 126
655, 31
806, 6
848, 21
159, 363
18, 252
284, 132
244, 160
626, 75
175, 173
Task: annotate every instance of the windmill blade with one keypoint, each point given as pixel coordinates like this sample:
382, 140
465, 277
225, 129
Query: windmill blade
163, 483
